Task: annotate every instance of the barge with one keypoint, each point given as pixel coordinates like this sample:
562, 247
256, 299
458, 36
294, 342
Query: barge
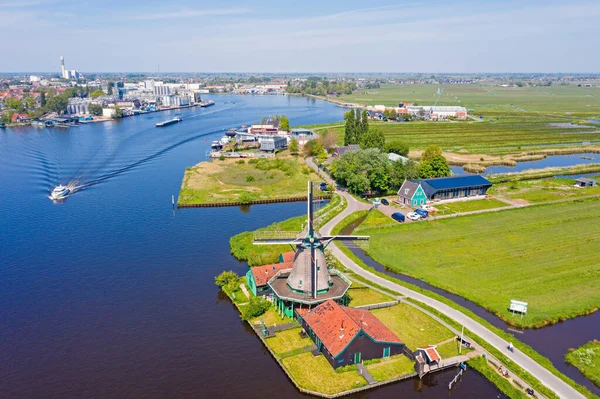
169, 122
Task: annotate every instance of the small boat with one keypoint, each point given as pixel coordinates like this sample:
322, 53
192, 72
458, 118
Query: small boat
169, 122
231, 132
60, 192
207, 103
216, 146
2, 125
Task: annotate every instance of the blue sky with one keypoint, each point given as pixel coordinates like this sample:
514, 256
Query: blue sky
302, 36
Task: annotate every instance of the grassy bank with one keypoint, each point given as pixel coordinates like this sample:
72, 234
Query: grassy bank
543, 190
540, 255
535, 174
586, 359
245, 180
482, 366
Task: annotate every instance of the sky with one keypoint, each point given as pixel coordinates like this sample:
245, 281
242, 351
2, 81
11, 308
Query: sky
301, 36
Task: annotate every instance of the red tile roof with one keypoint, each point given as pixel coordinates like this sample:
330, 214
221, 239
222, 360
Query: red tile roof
336, 326
431, 353
288, 256
262, 274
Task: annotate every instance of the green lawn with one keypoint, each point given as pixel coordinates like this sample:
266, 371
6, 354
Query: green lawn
469, 206
412, 326
366, 296
376, 218
316, 374
544, 255
450, 349
543, 190
287, 341
271, 318
587, 360
392, 367
242, 246
231, 180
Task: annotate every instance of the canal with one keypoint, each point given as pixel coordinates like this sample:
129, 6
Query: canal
110, 294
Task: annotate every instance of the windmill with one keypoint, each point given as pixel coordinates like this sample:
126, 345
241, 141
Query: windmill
309, 276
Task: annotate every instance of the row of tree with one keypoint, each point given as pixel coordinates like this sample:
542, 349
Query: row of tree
321, 87
357, 125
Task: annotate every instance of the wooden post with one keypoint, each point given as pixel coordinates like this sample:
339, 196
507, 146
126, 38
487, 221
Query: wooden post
461, 339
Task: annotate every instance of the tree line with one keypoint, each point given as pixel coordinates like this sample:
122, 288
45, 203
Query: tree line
321, 87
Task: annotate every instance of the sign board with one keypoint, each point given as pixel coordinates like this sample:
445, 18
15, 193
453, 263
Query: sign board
518, 306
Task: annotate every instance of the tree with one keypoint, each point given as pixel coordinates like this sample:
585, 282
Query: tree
15, 104
97, 93
284, 123
397, 147
329, 139
374, 138
110, 88
30, 102
294, 146
362, 170
393, 114
43, 98
435, 167
95, 109
57, 104
400, 171
225, 278
118, 112
257, 306
430, 153
350, 128
313, 148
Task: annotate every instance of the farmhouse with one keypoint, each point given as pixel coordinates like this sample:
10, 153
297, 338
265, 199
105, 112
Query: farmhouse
411, 193
455, 187
257, 277
347, 335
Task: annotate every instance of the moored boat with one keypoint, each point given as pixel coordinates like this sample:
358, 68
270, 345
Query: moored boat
169, 122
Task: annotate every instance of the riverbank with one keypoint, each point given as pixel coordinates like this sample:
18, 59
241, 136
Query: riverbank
228, 182
587, 360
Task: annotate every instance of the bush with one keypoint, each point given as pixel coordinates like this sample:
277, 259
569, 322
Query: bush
252, 161
222, 158
241, 162
246, 198
256, 307
226, 278
397, 147
249, 178
343, 369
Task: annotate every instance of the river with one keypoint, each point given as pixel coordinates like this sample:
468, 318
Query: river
110, 293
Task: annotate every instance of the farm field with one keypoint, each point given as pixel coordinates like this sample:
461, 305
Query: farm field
484, 98
468, 206
544, 255
245, 180
543, 190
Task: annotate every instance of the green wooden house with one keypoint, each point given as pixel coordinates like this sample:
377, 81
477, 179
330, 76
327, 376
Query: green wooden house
412, 193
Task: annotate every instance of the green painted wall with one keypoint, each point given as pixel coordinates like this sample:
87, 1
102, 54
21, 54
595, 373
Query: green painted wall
419, 197
250, 281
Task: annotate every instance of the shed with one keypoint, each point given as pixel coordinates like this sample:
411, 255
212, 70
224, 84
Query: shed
272, 143
585, 182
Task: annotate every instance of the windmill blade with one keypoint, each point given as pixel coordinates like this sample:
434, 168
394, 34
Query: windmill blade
275, 241
344, 238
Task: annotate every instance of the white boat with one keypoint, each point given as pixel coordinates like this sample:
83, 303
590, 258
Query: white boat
60, 192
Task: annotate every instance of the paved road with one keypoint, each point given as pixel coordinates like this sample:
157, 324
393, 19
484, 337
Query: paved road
548, 379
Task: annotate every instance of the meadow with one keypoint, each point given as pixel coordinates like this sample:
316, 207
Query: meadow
544, 255
484, 98
245, 180
587, 359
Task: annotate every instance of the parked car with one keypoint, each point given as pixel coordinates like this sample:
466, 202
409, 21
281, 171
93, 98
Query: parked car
323, 186
413, 216
428, 208
422, 212
397, 216
384, 201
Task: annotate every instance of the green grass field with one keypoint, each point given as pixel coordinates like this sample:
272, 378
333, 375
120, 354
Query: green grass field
412, 326
469, 206
316, 374
543, 190
544, 255
392, 367
233, 180
287, 341
587, 360
366, 296
483, 98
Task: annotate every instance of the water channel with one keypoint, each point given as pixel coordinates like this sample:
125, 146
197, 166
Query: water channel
110, 293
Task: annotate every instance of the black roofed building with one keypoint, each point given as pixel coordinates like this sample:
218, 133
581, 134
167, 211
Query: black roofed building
455, 187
